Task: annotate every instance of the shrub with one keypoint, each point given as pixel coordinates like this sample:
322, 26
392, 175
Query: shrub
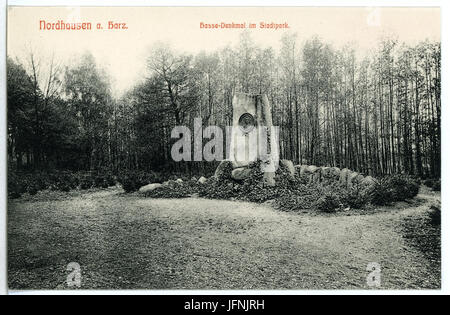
428, 182
215, 189
404, 187
85, 180
223, 171
381, 193
19, 182
436, 185
394, 188
329, 202
131, 181
68, 180
111, 179
100, 180
32, 187
356, 197
63, 181
435, 214
15, 187
296, 202
42, 180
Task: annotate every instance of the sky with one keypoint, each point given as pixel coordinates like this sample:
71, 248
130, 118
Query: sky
123, 52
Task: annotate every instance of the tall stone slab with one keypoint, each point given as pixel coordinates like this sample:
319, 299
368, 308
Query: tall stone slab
253, 136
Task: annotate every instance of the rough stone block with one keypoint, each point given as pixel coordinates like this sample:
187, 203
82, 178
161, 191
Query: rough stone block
223, 170
149, 187
240, 173
289, 166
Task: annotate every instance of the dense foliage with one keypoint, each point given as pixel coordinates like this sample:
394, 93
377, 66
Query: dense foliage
32, 182
395, 188
434, 184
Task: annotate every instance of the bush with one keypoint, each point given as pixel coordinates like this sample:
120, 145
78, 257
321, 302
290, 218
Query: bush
32, 187
330, 202
403, 187
86, 181
394, 188
15, 188
434, 184
42, 180
100, 180
216, 189
131, 181
223, 171
296, 202
20, 183
437, 185
381, 193
356, 197
435, 214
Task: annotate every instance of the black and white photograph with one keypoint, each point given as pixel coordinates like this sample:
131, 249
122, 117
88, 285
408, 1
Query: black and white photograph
223, 148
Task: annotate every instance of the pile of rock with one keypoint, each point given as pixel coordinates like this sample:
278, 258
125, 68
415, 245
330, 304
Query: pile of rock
311, 172
344, 176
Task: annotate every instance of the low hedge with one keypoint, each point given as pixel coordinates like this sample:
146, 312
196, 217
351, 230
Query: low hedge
33, 182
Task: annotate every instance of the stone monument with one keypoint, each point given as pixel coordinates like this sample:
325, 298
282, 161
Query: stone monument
253, 137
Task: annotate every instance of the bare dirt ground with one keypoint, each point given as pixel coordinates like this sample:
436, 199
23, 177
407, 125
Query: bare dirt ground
130, 242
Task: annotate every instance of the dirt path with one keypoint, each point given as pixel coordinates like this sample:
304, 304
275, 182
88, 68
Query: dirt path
130, 242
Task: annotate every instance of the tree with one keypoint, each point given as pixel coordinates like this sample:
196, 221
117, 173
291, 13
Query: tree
88, 95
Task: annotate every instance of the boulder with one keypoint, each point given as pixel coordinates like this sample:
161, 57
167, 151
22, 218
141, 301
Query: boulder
325, 170
301, 169
359, 179
313, 169
351, 178
240, 173
179, 180
335, 172
202, 180
269, 179
328, 173
289, 166
368, 181
149, 187
313, 173
239, 164
344, 175
223, 170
